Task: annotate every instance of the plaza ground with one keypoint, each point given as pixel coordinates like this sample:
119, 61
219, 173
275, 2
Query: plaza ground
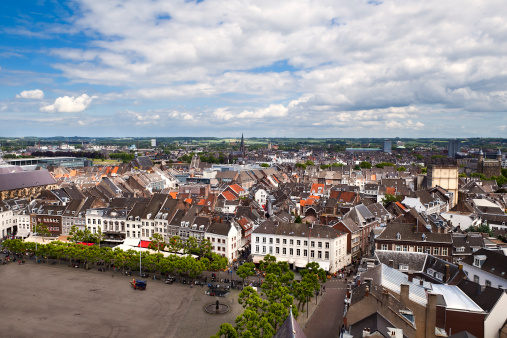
59, 301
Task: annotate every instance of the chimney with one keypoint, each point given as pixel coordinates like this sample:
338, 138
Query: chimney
447, 273
431, 315
366, 332
391, 263
385, 299
410, 277
421, 282
404, 292
367, 291
460, 267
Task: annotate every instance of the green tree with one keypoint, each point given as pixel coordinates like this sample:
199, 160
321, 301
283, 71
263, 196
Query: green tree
264, 165
337, 165
401, 168
226, 331
308, 162
388, 198
157, 242
298, 219
245, 270
365, 165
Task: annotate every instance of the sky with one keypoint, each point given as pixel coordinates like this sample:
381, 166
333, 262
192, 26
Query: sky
263, 68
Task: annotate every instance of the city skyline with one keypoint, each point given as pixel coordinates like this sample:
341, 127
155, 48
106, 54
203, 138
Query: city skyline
216, 68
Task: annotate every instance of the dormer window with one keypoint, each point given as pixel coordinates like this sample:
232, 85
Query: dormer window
479, 260
398, 236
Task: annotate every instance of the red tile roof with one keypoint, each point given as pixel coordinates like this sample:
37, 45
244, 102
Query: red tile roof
391, 190
237, 188
228, 195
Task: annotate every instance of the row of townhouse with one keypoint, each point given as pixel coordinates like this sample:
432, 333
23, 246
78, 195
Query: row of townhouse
168, 217
300, 243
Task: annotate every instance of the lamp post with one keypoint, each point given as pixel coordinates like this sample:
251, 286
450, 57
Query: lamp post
140, 274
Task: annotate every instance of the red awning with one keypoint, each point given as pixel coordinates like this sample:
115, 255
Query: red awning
144, 244
84, 243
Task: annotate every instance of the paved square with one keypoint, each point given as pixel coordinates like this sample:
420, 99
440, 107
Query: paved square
59, 301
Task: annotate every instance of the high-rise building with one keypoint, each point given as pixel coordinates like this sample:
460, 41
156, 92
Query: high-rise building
454, 147
386, 146
153, 142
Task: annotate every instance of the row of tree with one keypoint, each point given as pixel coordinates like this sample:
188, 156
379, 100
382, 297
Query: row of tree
265, 312
125, 260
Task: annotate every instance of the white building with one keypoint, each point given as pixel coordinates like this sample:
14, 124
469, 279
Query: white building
301, 243
487, 268
225, 239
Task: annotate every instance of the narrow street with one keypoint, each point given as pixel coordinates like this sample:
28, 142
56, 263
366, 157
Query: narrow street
328, 317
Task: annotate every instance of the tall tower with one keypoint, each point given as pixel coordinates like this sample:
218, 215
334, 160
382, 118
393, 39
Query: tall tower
453, 148
242, 146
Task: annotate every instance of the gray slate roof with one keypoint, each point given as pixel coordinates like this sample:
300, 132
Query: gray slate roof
25, 179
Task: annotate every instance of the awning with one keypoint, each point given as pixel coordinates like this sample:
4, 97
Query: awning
23, 233
257, 259
301, 263
291, 261
324, 265
144, 244
131, 242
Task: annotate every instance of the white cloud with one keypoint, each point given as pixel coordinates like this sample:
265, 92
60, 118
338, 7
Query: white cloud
36, 94
274, 110
69, 104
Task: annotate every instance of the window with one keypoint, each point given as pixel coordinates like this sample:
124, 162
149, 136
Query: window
278, 241
291, 242
326, 255
319, 254
256, 240
320, 244
263, 239
271, 240
270, 249
405, 248
436, 251
298, 252
488, 282
312, 244
398, 247
298, 242
277, 250
257, 248
306, 243
263, 249
384, 247
284, 241
444, 251
305, 253
312, 254
327, 245
284, 251
403, 267
291, 251
476, 279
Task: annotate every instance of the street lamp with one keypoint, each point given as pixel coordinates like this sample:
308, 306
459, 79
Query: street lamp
140, 275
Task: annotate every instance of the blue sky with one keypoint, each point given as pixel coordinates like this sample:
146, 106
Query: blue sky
262, 68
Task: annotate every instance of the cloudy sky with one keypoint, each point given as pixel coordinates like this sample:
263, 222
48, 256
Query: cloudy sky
262, 67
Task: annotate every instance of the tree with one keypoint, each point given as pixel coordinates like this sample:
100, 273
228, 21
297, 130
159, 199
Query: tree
41, 230
401, 168
264, 165
175, 244
308, 162
336, 165
245, 270
298, 219
157, 242
226, 331
365, 165
388, 198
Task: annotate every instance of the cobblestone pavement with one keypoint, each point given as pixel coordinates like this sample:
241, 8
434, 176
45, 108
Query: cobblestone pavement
59, 301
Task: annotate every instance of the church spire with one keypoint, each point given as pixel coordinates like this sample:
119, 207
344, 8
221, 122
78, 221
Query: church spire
242, 146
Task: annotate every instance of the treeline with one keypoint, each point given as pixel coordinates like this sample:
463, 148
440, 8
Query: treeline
126, 260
